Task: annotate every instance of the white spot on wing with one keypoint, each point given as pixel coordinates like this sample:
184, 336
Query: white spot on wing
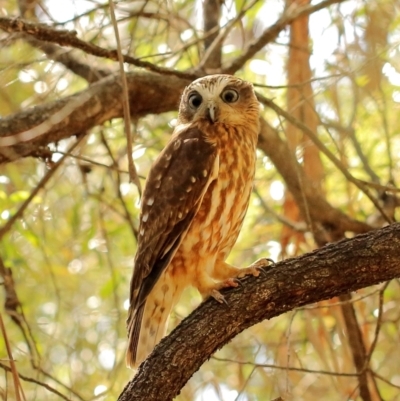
150, 201
205, 172
193, 179
145, 217
188, 189
142, 231
180, 215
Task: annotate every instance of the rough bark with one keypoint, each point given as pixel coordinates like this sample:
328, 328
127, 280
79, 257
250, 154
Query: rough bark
335, 269
149, 93
211, 16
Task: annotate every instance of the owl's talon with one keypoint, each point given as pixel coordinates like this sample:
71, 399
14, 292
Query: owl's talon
262, 264
219, 297
214, 292
237, 280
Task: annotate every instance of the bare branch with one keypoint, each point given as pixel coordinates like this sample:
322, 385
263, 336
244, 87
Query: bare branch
133, 177
332, 270
148, 93
69, 60
211, 17
68, 38
356, 344
38, 382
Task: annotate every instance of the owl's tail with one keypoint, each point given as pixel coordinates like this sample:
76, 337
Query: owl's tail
148, 324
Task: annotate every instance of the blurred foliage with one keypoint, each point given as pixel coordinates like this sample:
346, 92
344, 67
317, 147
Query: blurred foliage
72, 253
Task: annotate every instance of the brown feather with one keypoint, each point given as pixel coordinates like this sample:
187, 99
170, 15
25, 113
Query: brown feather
193, 205
170, 209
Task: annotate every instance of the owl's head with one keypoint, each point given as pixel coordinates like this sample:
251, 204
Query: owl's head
219, 99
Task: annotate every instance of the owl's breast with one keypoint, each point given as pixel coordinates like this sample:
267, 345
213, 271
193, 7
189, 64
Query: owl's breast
218, 221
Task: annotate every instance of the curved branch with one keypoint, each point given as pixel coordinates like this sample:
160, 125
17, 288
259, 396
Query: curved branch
335, 269
23, 134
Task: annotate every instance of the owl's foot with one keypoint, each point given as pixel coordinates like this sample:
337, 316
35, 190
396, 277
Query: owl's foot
256, 268
214, 292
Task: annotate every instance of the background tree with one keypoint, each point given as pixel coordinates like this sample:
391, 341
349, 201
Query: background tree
328, 164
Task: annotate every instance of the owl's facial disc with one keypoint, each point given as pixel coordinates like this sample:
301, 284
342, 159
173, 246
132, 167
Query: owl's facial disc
219, 99
206, 103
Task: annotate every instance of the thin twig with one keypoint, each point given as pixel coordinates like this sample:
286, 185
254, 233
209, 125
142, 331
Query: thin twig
69, 39
19, 213
378, 376
272, 366
298, 85
128, 216
269, 103
272, 32
133, 177
17, 385
31, 380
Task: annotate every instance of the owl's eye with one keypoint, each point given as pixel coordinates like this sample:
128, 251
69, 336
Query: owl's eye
195, 100
229, 96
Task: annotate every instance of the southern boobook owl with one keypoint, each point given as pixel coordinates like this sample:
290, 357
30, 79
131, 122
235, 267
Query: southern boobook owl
193, 205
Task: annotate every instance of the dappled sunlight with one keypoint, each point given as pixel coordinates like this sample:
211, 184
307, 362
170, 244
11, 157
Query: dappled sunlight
329, 84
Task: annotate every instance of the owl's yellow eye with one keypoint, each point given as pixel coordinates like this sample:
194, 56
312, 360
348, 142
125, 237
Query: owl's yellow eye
229, 96
195, 100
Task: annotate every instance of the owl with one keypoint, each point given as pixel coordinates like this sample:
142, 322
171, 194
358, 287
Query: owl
193, 205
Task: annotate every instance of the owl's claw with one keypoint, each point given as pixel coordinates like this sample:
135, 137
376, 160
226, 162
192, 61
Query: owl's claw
239, 281
230, 282
260, 265
218, 297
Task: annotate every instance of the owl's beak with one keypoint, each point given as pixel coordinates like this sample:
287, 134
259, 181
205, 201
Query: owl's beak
211, 112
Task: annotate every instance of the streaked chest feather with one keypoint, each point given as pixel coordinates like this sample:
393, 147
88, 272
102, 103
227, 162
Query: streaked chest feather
216, 225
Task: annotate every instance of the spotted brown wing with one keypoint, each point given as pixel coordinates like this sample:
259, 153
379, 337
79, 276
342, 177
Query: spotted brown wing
174, 189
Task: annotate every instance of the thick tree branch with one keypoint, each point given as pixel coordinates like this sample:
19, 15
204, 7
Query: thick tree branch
335, 269
23, 134
211, 17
